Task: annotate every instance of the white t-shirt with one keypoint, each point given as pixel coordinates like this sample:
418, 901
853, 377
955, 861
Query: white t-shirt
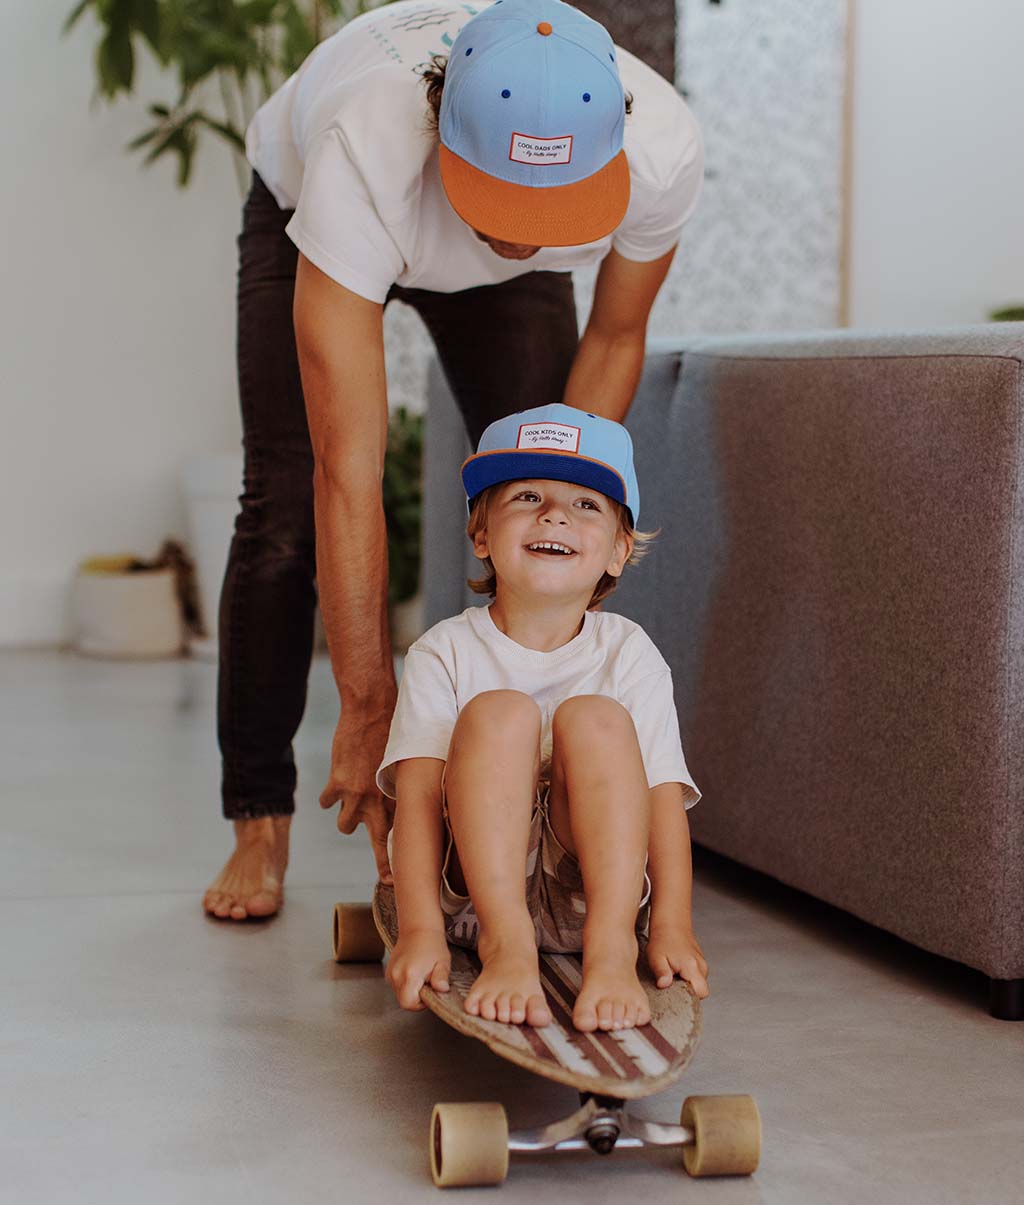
346, 143
468, 654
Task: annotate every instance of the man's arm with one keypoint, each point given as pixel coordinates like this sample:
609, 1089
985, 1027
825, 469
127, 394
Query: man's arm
340, 341
610, 356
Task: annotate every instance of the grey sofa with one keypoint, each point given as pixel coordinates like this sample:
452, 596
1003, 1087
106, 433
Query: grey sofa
839, 589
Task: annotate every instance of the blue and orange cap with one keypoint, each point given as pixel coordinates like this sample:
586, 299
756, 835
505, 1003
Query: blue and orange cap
532, 124
557, 443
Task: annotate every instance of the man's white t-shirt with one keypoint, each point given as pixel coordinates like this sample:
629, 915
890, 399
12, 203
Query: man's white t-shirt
347, 144
461, 657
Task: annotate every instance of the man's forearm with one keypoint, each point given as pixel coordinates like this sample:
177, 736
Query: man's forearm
352, 575
605, 373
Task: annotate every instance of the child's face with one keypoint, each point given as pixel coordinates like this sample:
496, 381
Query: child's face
525, 513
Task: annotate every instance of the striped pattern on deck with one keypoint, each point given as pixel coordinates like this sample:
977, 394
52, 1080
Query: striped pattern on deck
624, 1054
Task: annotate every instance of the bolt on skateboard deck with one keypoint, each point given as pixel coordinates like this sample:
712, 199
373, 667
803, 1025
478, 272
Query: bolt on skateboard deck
470, 1143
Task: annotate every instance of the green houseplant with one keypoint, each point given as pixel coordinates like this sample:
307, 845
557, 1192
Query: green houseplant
403, 502
229, 56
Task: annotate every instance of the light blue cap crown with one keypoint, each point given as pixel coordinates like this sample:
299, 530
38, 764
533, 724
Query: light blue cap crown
558, 443
514, 101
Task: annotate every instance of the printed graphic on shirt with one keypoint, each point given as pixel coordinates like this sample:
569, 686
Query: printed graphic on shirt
549, 435
391, 32
541, 151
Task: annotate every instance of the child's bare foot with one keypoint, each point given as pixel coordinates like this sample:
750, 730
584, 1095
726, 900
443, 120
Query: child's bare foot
508, 988
611, 996
252, 879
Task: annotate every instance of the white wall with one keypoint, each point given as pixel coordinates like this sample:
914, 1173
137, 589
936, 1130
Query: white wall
938, 196
116, 322
117, 307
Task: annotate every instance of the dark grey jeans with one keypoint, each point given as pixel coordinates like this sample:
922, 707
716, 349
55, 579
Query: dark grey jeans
503, 347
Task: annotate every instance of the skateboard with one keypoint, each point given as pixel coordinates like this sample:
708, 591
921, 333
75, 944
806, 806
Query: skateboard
470, 1144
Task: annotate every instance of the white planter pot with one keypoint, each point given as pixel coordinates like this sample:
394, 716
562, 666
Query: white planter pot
133, 615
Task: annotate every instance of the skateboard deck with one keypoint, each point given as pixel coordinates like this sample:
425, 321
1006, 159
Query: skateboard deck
626, 1063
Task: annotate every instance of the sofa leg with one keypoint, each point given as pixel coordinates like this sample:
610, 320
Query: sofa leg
1006, 999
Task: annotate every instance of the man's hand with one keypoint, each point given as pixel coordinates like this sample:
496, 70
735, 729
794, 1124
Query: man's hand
358, 746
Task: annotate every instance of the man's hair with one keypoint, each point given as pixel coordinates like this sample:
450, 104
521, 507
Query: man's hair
433, 77
489, 583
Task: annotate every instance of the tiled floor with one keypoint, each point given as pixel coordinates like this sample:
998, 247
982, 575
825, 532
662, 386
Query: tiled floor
153, 1055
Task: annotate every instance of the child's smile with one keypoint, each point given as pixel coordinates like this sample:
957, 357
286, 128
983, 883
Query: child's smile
551, 548
568, 529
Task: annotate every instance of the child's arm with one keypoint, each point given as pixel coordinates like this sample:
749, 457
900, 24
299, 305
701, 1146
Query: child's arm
421, 953
672, 947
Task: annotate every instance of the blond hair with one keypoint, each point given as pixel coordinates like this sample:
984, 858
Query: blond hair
489, 583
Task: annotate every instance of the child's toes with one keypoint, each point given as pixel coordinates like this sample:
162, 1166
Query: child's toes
537, 1012
585, 1016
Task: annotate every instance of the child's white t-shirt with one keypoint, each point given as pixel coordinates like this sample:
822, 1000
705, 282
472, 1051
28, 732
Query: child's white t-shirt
468, 654
346, 143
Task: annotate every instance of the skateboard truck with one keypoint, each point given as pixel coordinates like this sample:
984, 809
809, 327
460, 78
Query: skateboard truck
602, 1123
470, 1143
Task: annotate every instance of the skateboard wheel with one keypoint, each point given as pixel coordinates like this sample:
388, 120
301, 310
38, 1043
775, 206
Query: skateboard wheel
468, 1145
726, 1135
355, 935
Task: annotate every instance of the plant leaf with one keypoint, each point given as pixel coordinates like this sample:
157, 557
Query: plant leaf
115, 62
147, 21
257, 12
171, 136
186, 149
298, 39
145, 138
72, 17
225, 130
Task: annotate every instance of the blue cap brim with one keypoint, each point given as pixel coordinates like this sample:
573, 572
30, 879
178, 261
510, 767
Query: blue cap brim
490, 468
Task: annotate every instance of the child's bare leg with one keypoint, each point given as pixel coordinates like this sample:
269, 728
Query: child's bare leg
599, 807
490, 785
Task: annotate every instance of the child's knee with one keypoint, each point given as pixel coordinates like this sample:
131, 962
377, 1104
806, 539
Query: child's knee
507, 708
593, 717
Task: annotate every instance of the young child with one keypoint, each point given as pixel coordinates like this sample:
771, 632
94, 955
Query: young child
534, 754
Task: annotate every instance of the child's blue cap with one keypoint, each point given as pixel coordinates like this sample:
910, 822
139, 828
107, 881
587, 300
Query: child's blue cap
559, 443
532, 126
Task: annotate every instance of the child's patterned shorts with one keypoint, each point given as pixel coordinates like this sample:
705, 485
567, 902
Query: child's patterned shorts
554, 890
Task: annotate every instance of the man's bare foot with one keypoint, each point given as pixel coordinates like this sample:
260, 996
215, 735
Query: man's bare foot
611, 996
508, 988
251, 883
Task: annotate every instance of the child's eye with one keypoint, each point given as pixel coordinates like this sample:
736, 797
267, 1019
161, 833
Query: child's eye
532, 496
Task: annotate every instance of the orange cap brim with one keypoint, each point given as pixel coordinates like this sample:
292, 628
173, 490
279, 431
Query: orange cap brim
566, 215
